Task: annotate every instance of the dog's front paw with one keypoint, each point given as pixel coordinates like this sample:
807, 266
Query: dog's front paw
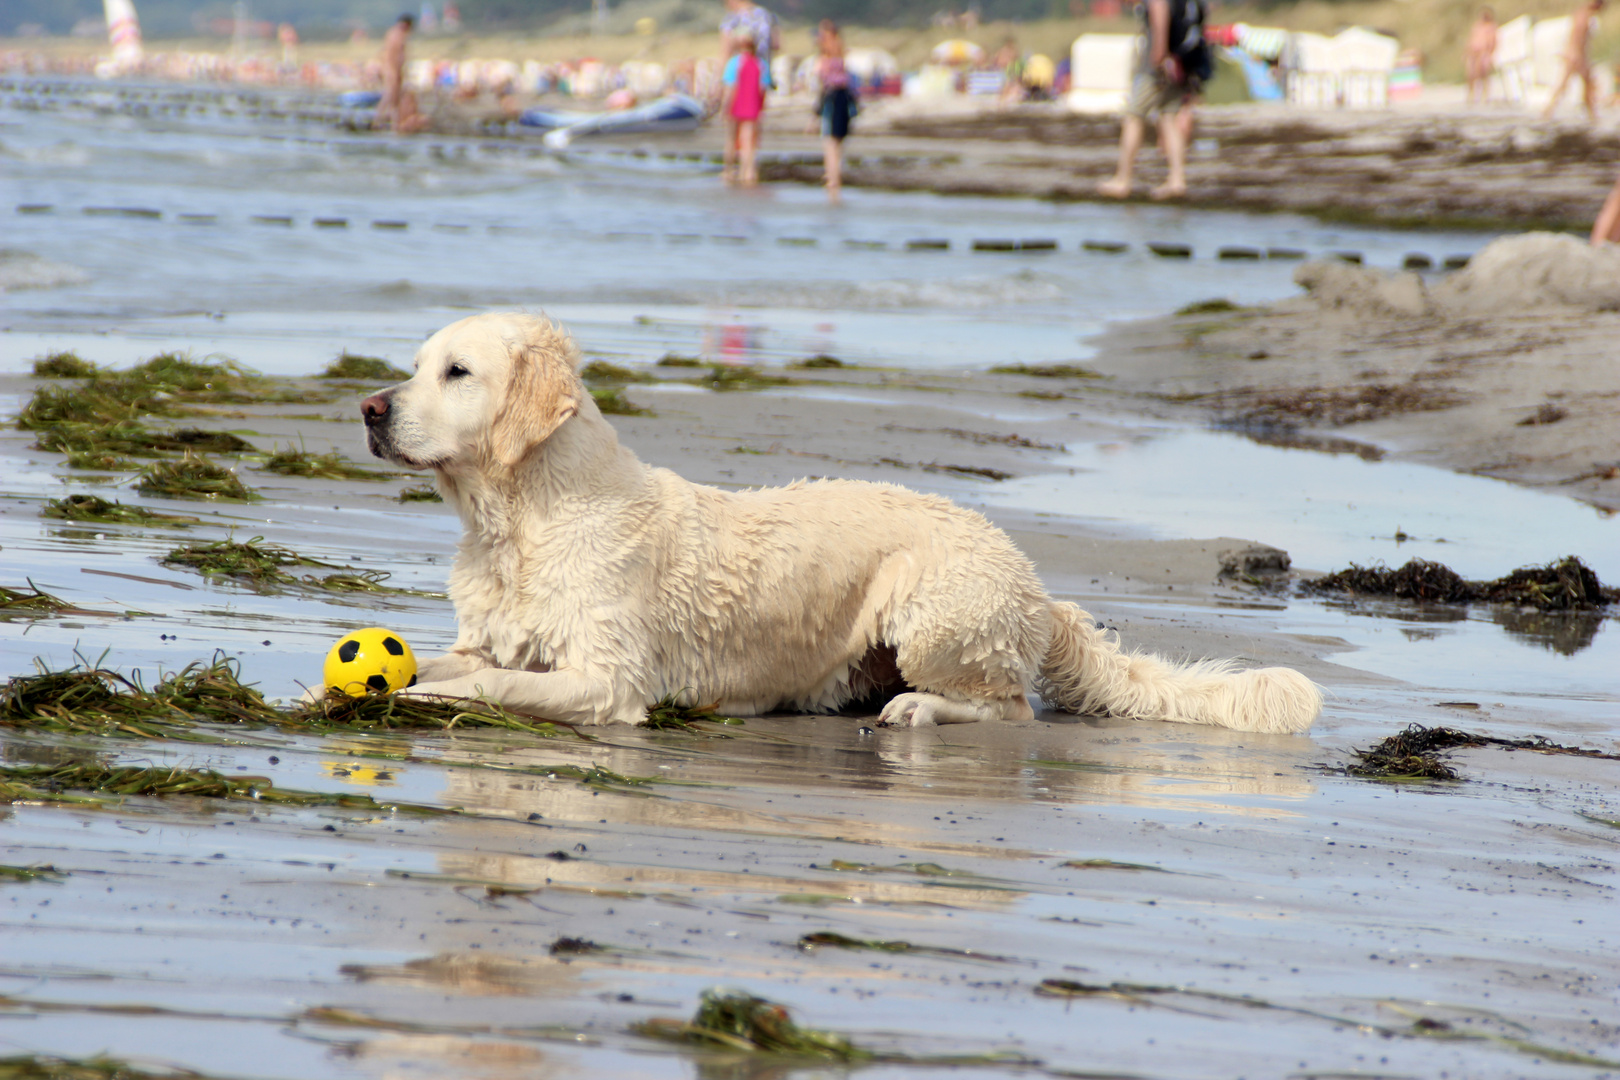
436, 691
909, 710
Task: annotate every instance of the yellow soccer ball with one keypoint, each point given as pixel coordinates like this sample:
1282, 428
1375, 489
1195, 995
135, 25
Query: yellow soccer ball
369, 661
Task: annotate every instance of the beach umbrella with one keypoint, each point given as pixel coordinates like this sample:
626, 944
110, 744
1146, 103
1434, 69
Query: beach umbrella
956, 51
1261, 42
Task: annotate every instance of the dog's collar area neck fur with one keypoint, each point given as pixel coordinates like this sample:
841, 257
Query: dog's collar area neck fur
582, 462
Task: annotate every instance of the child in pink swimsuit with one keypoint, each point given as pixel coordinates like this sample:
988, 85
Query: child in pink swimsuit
744, 101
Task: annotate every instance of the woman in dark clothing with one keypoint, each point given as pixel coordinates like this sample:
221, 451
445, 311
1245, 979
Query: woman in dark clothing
837, 104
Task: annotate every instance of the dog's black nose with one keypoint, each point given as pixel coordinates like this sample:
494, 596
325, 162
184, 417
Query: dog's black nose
374, 408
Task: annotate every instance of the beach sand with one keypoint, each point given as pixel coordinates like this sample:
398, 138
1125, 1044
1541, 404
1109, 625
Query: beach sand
1523, 393
1067, 896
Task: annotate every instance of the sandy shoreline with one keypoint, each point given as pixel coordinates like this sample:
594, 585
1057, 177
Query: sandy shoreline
1433, 166
1193, 902
1484, 168
1531, 396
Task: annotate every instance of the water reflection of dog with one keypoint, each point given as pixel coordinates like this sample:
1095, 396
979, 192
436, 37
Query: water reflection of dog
564, 801
588, 586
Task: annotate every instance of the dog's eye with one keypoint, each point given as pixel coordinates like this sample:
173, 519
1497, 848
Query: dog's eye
455, 371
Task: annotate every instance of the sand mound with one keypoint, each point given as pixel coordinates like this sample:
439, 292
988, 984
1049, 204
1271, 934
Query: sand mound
1515, 273
1361, 291
1536, 270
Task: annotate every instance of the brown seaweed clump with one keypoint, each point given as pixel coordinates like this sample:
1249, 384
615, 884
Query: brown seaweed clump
1413, 754
1565, 585
1417, 753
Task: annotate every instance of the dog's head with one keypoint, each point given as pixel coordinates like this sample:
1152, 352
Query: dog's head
487, 391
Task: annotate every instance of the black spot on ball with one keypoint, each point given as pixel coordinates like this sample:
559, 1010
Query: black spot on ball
379, 683
394, 646
348, 651
412, 682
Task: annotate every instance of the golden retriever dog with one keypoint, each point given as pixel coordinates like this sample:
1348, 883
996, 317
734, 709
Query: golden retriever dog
589, 585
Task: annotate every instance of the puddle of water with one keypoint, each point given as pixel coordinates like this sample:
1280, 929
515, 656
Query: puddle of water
1326, 510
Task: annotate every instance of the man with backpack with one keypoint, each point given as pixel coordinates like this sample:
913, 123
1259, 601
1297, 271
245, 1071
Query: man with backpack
1174, 62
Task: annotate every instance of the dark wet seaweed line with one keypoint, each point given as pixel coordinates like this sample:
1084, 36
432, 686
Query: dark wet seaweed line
1418, 753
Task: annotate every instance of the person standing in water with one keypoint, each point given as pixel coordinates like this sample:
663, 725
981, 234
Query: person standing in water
746, 20
836, 107
1479, 59
389, 109
1576, 61
1175, 61
743, 101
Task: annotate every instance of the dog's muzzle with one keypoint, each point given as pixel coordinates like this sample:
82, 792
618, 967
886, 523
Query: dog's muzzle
378, 414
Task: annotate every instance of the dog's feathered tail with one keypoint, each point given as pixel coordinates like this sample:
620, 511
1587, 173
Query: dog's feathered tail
1087, 672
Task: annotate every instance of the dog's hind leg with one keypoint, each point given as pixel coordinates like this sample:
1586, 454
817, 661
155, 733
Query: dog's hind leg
967, 643
923, 710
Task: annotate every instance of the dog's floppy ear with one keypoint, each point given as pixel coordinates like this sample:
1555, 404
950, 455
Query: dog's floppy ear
541, 393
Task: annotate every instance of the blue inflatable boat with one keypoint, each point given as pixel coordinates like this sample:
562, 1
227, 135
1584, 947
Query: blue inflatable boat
677, 112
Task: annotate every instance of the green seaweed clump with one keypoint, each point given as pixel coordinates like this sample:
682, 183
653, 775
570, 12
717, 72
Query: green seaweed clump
740, 377
92, 783
602, 371
612, 402
49, 1067
350, 365
1047, 371
32, 599
99, 402
134, 438
824, 939
23, 874
671, 359
95, 509
100, 461
64, 365
253, 560
667, 715
263, 564
740, 1021
1217, 306
391, 712
423, 492
172, 373
328, 466
193, 478
92, 700
820, 360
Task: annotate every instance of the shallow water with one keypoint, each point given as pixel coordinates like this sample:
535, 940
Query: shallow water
1343, 911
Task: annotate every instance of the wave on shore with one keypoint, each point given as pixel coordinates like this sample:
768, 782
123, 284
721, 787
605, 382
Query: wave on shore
25, 270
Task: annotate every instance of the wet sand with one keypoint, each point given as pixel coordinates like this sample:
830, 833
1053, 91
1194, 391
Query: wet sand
1532, 397
1276, 917
1239, 905
1426, 166
1423, 168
